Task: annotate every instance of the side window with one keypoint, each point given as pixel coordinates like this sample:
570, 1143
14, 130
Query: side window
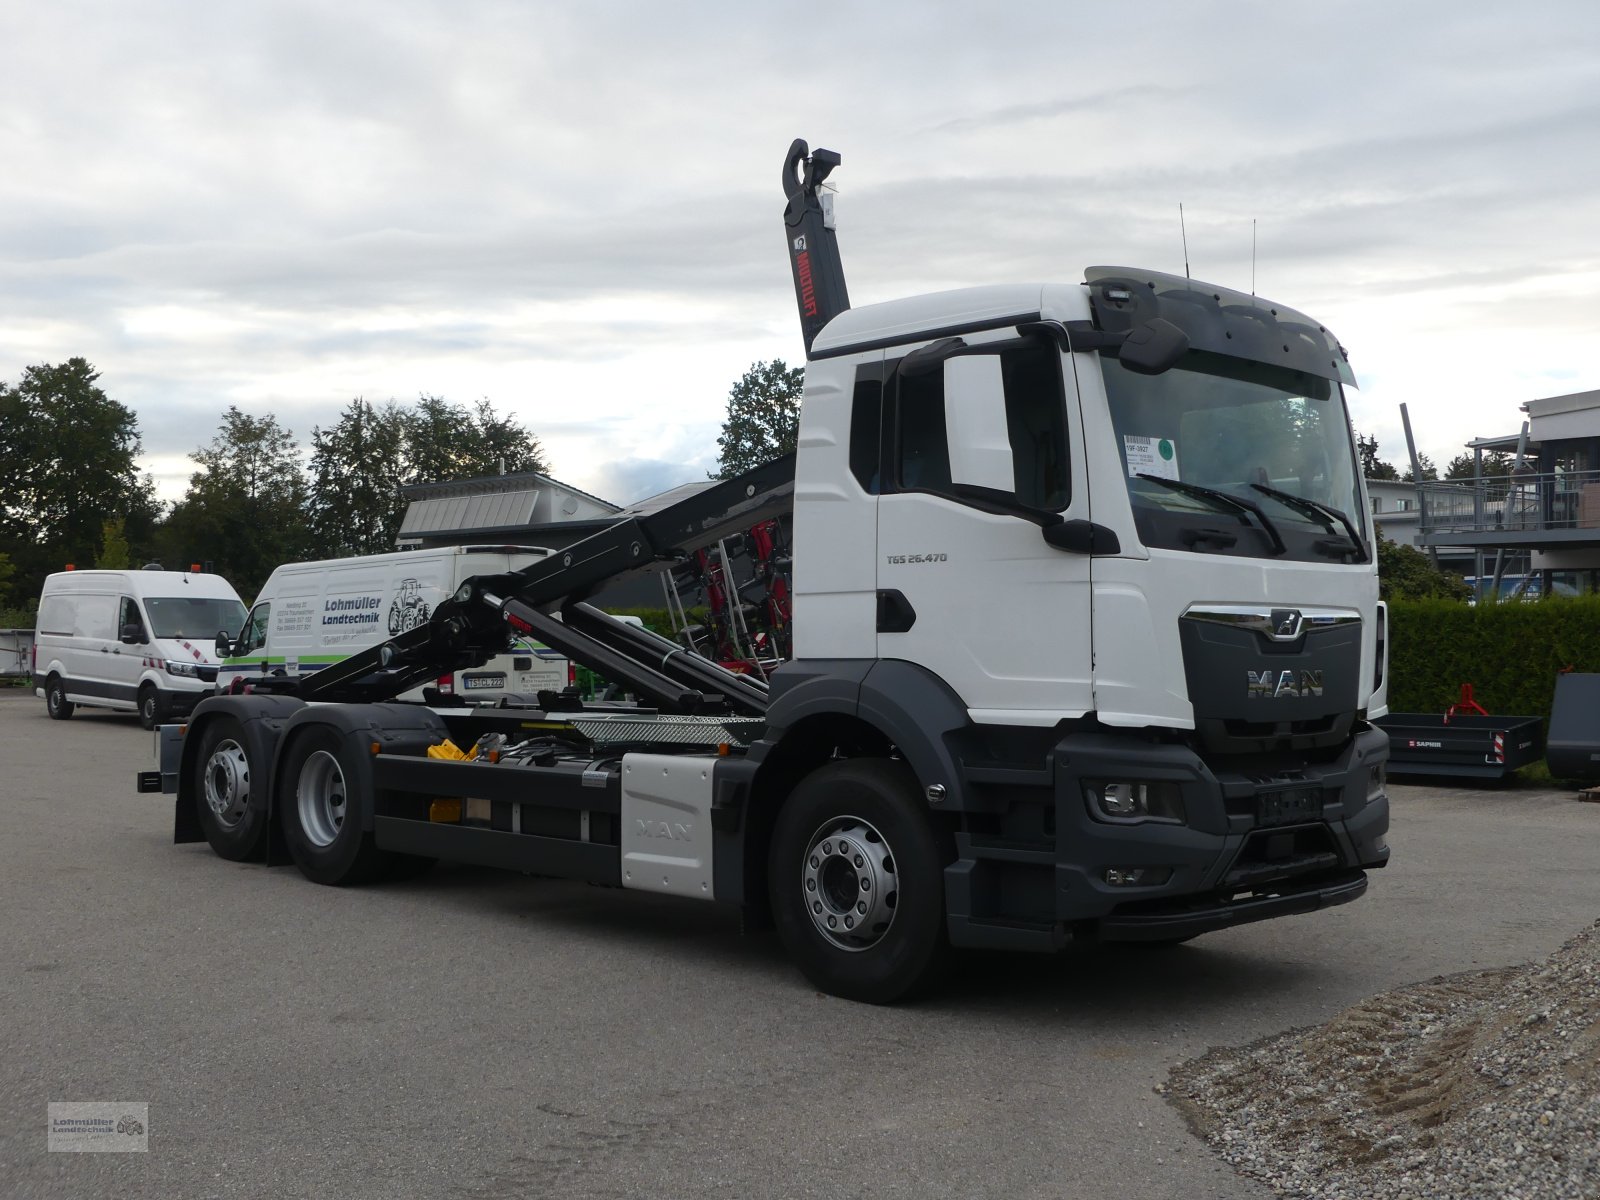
254, 634
55, 615
1034, 424
1036, 418
128, 614
866, 429
93, 616
922, 452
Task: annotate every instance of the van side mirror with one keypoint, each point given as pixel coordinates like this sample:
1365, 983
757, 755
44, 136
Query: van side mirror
224, 644
132, 634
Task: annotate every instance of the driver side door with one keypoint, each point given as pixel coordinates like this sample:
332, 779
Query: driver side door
968, 588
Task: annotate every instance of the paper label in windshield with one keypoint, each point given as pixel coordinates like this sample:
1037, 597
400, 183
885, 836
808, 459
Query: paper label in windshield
1150, 456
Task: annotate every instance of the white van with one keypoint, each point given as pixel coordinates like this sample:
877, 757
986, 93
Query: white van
131, 640
314, 613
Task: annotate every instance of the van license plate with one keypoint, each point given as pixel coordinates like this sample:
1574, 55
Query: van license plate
483, 681
1290, 807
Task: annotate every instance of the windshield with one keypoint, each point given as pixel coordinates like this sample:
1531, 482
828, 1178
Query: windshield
192, 616
1217, 430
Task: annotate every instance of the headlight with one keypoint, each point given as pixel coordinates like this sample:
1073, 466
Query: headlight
187, 670
1376, 782
1135, 800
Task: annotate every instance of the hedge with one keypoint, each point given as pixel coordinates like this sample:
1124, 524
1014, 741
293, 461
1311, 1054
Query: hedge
1510, 653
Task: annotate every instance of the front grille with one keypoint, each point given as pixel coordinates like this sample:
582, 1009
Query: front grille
207, 674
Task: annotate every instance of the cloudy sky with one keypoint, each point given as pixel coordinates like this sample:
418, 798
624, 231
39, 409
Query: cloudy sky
575, 210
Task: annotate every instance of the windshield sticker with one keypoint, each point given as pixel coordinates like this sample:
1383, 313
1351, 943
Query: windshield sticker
1150, 456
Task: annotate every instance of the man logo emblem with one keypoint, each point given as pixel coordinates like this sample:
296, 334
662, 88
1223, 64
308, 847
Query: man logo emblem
1285, 624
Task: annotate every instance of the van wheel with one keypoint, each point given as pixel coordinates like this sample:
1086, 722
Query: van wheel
857, 882
320, 786
229, 798
155, 706
55, 699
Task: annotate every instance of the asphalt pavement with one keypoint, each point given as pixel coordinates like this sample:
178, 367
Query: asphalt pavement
478, 1034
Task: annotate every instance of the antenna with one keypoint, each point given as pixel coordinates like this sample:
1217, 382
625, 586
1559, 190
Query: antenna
1252, 258
1185, 232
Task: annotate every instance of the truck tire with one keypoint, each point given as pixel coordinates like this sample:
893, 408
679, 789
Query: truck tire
55, 699
320, 783
155, 706
227, 791
856, 880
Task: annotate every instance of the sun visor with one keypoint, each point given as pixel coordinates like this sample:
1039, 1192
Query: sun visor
1217, 319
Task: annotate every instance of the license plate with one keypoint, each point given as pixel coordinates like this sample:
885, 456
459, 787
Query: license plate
471, 682
1289, 808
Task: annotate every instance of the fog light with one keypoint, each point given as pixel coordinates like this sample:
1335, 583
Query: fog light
1376, 780
1135, 800
1137, 876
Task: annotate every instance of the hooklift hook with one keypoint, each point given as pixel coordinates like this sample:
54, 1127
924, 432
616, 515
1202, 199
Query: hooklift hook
800, 187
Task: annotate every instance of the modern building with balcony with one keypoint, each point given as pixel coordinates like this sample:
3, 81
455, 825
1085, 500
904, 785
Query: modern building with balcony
1540, 521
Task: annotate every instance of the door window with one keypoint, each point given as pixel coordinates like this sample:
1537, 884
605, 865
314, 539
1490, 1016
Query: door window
1035, 423
254, 634
128, 614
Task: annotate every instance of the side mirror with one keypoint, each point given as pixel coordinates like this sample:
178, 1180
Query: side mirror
224, 644
1153, 347
132, 634
975, 423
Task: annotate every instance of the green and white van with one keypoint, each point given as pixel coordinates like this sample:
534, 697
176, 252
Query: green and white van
311, 614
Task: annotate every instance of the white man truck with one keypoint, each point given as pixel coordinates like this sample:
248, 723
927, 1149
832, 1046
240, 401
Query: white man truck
1087, 645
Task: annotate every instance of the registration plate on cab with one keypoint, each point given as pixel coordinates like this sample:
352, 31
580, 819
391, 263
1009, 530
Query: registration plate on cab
472, 682
1289, 807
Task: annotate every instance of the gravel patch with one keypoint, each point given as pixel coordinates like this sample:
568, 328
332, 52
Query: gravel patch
1466, 1086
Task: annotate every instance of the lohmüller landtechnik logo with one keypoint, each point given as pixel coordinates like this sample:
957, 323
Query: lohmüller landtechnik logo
99, 1126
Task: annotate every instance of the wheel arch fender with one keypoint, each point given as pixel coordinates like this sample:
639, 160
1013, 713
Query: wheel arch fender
855, 706
260, 718
393, 728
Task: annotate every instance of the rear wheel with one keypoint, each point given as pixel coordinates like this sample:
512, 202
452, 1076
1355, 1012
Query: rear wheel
155, 706
320, 786
55, 699
232, 807
857, 882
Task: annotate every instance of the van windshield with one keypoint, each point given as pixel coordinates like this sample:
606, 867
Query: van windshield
192, 616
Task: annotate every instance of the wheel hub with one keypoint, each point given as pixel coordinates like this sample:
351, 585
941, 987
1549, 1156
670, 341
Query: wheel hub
320, 798
228, 782
850, 884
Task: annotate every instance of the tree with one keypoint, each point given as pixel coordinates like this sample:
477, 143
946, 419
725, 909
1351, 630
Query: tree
447, 441
1406, 573
358, 466
114, 545
67, 465
245, 510
1496, 464
1429, 471
763, 417
1373, 467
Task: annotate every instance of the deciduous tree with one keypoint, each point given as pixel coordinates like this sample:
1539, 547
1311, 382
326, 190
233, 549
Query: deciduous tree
245, 510
67, 465
763, 417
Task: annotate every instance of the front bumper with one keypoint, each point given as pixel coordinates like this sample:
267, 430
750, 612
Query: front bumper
1227, 864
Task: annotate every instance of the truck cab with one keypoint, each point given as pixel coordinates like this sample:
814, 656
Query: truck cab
1142, 593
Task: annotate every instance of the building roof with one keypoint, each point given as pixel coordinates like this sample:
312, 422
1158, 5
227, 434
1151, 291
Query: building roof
497, 504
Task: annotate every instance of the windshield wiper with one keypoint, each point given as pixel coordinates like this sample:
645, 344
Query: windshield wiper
1239, 503
1326, 513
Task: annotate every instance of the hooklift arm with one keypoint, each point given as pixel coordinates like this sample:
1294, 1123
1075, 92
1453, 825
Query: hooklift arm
473, 625
813, 245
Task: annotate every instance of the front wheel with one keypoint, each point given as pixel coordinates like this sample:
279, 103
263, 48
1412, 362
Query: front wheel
320, 787
55, 699
155, 706
856, 878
